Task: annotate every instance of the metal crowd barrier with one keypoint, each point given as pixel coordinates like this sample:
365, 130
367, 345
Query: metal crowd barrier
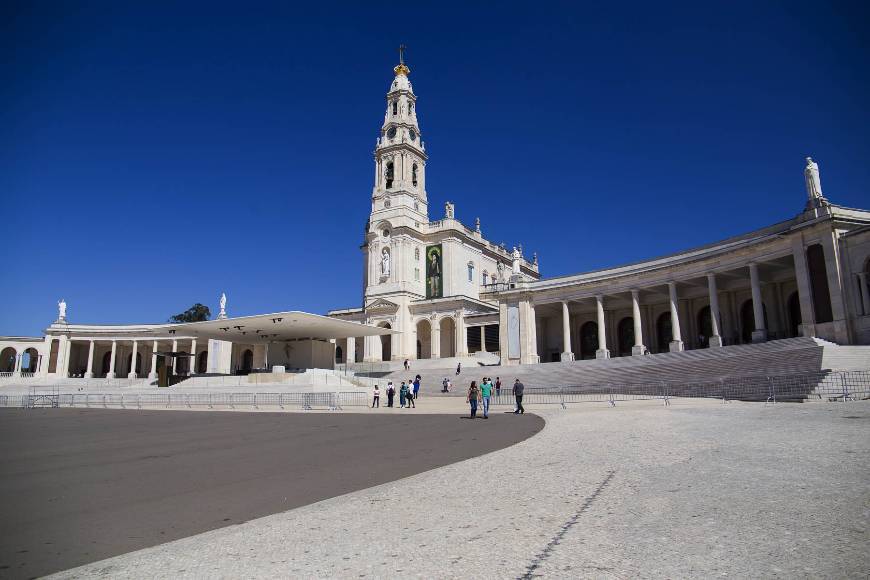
306, 401
824, 385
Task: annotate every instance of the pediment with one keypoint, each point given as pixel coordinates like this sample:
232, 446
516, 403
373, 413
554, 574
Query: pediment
381, 306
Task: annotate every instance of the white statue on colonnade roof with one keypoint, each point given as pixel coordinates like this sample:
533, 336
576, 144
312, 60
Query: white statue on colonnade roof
223, 304
61, 310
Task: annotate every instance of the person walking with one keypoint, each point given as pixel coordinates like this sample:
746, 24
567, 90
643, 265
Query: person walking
411, 395
497, 387
407, 365
417, 387
391, 393
473, 398
376, 398
485, 394
518, 390
458, 368
403, 395
444, 388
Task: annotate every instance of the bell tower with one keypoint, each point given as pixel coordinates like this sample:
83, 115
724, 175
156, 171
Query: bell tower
400, 155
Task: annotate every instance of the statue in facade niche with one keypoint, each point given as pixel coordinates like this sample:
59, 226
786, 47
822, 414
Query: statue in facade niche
500, 268
61, 310
385, 262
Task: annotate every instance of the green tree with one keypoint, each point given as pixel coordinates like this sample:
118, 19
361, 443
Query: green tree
196, 313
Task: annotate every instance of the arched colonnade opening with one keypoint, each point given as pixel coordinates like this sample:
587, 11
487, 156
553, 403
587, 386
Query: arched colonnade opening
7, 359
386, 343
424, 339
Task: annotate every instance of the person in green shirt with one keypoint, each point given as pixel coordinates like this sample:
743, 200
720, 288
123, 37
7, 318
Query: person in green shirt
486, 393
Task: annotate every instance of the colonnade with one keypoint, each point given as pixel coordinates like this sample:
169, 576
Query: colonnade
815, 307
138, 348
640, 346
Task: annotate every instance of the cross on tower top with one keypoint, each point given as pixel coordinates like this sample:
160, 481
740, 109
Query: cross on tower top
402, 48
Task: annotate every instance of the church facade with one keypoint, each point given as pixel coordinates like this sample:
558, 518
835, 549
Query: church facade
445, 290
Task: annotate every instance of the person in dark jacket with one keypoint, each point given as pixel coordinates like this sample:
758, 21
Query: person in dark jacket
518, 390
391, 392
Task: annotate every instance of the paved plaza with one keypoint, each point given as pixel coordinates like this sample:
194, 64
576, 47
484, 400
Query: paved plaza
81, 485
696, 489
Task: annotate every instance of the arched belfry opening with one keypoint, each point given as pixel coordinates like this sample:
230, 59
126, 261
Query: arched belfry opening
389, 175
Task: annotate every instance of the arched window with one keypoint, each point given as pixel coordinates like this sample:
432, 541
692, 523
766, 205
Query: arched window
471, 271
414, 174
395, 107
410, 108
338, 354
389, 175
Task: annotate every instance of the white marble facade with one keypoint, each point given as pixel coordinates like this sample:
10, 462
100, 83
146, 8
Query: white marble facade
807, 275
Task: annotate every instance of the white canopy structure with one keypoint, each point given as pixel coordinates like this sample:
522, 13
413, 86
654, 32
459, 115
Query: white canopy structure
290, 325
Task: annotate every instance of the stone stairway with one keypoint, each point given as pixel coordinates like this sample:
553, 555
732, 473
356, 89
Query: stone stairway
774, 358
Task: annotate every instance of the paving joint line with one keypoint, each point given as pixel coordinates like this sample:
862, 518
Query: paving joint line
572, 521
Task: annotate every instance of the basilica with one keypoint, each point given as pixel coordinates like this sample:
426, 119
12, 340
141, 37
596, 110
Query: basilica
438, 288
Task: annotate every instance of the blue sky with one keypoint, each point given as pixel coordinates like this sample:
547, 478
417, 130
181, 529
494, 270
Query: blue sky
155, 154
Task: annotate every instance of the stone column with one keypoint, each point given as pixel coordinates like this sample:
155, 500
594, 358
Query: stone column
482, 338
639, 348
66, 345
676, 336
350, 355
528, 333
152, 372
174, 359
602, 351
435, 348
90, 371
503, 336
192, 366
533, 335
461, 336
760, 332
111, 373
132, 374
716, 338
835, 286
805, 293
567, 354
865, 293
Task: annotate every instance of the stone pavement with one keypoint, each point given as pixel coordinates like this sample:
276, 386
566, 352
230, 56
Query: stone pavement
697, 489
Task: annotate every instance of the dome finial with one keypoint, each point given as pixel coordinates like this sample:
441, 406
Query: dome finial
402, 69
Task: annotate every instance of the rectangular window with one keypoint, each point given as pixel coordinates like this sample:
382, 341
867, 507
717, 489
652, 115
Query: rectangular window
471, 272
417, 274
